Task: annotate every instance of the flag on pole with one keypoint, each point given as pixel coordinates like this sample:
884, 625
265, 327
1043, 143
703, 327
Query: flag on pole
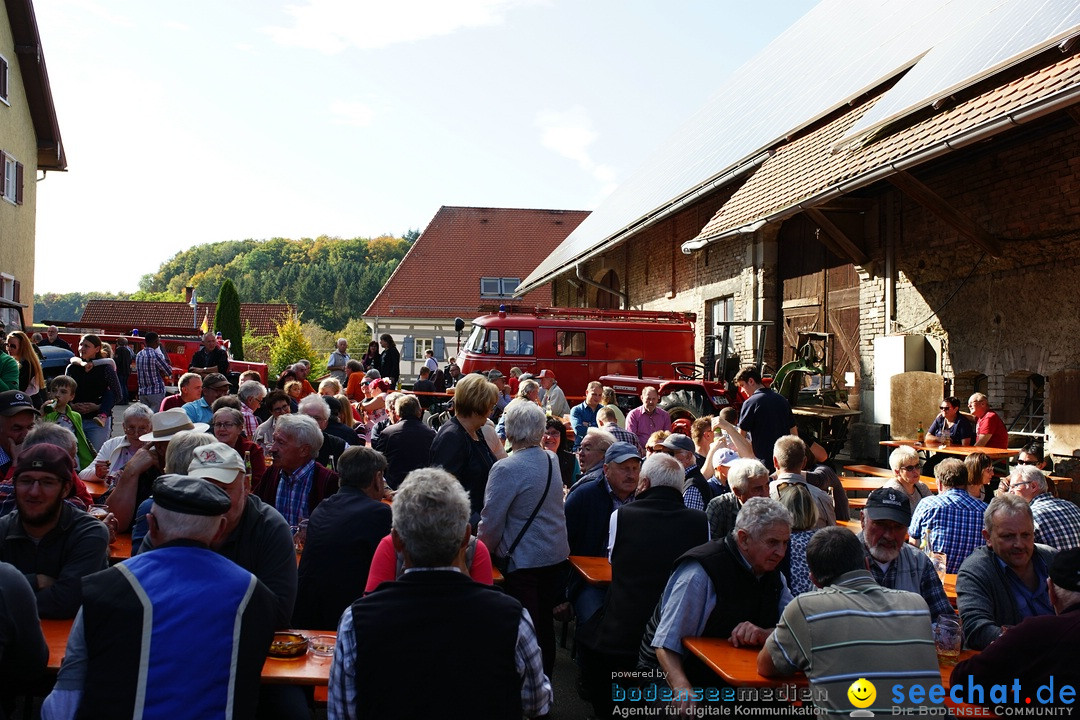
205, 327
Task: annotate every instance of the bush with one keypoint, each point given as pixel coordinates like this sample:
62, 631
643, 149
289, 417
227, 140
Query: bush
289, 346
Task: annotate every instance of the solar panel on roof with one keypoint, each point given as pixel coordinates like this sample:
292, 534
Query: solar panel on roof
833, 54
999, 35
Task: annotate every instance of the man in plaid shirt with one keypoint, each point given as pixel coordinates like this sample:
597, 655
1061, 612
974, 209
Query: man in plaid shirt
1057, 521
892, 561
951, 522
152, 368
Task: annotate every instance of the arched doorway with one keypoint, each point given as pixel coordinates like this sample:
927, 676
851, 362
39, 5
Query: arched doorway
609, 300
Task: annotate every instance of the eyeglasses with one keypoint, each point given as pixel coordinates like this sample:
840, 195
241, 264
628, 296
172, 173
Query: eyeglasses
223, 425
1027, 462
45, 483
911, 468
1010, 486
945, 407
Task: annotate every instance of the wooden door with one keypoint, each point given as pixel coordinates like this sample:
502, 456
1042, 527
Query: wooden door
819, 292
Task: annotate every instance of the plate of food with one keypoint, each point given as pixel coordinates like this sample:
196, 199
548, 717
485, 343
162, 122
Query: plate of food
288, 644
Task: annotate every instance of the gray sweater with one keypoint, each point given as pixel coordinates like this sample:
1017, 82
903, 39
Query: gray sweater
984, 598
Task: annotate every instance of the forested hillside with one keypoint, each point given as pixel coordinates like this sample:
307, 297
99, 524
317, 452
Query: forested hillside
331, 280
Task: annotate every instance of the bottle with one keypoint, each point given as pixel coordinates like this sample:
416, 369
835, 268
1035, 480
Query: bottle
247, 468
920, 433
330, 464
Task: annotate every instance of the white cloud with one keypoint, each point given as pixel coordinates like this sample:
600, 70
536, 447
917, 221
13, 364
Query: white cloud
570, 133
334, 25
353, 113
177, 25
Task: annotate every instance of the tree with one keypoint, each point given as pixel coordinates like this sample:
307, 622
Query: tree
358, 334
289, 346
227, 318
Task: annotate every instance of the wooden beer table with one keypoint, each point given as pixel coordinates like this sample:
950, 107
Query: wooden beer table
737, 666
595, 570
961, 451
309, 669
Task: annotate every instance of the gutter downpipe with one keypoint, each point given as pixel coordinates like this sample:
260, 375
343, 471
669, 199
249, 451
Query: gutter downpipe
1034, 111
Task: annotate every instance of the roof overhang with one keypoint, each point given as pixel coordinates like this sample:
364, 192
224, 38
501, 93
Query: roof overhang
807, 173
35, 77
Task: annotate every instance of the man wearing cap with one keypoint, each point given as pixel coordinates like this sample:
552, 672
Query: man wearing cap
789, 459
136, 478
554, 401
52, 543
210, 358
647, 418
148, 623
1039, 650
696, 490
1003, 581
17, 417
342, 535
1057, 521
214, 385
893, 561
497, 379
588, 514
852, 628
583, 416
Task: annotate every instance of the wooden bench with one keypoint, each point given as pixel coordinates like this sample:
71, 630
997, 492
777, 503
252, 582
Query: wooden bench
887, 474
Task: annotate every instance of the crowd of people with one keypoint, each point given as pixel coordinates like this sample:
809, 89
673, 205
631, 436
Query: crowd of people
713, 527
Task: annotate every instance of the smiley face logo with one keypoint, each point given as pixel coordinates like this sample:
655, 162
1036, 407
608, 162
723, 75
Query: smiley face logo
862, 693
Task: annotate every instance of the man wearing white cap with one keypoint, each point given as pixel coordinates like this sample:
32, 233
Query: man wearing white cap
554, 401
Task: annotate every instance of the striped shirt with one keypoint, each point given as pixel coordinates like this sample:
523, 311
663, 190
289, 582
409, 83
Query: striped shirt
251, 422
952, 522
622, 435
855, 629
292, 493
1057, 522
151, 366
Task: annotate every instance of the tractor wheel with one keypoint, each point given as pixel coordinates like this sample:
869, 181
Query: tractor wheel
684, 404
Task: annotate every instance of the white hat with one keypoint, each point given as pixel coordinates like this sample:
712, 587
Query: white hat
216, 461
167, 423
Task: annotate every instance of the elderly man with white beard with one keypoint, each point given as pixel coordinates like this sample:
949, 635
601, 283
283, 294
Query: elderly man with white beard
894, 562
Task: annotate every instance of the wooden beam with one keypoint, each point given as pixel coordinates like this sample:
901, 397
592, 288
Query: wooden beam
848, 247
1074, 113
945, 212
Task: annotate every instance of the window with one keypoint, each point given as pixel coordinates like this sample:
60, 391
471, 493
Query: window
421, 346
519, 342
722, 309
4, 80
11, 186
9, 291
498, 287
570, 343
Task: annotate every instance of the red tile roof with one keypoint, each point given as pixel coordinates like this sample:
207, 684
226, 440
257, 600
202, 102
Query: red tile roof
440, 275
262, 317
801, 172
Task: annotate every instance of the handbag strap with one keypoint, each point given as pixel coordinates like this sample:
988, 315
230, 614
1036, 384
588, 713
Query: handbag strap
513, 546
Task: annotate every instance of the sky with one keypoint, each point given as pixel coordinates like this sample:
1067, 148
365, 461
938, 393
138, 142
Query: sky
208, 120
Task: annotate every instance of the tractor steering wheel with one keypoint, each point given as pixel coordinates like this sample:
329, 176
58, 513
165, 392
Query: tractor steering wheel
688, 371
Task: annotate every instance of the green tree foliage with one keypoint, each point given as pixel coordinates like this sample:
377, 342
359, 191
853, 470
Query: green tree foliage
227, 318
289, 346
257, 347
358, 334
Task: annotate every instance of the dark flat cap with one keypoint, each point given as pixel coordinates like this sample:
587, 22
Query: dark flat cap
45, 458
190, 495
215, 380
1065, 569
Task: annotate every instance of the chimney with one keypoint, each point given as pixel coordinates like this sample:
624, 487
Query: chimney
187, 294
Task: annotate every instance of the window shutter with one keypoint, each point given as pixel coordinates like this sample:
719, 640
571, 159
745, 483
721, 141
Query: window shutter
3, 78
439, 348
18, 183
407, 348
16, 291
